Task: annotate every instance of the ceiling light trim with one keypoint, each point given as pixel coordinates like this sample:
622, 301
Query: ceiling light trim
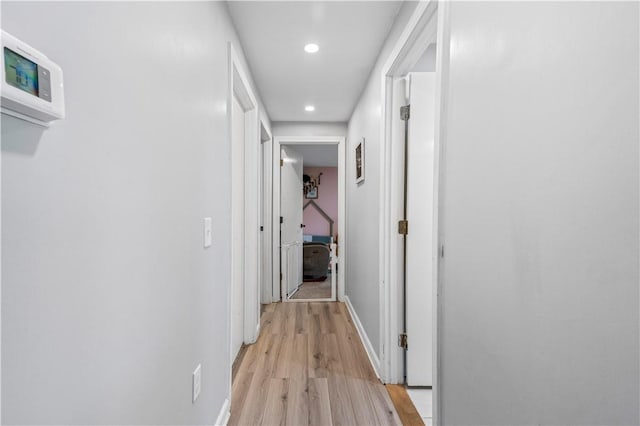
311, 48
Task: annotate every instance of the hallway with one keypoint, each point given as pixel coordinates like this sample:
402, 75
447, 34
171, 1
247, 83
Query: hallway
308, 367
475, 174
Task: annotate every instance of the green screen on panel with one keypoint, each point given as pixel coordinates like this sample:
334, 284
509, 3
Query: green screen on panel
20, 72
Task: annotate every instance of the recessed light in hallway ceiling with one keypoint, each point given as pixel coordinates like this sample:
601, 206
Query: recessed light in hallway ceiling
309, 108
311, 48
273, 36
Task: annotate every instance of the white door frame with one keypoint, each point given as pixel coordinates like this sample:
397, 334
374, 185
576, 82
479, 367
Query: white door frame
428, 24
240, 88
266, 185
340, 141
0, 288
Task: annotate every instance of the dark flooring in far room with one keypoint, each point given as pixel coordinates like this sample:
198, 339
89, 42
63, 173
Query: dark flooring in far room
314, 290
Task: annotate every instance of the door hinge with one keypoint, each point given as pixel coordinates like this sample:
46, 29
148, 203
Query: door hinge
281, 219
261, 228
281, 162
402, 340
280, 276
403, 227
405, 112
442, 251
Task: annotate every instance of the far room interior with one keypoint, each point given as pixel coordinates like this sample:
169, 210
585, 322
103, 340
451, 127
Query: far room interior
315, 200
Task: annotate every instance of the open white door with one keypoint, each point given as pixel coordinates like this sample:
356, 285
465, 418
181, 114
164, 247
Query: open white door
266, 217
420, 204
237, 243
291, 212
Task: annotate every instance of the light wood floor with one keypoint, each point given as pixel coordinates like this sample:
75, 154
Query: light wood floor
404, 406
308, 368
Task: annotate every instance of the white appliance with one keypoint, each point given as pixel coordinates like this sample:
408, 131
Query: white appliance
31, 86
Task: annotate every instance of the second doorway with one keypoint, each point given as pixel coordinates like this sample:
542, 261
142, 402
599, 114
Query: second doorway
309, 201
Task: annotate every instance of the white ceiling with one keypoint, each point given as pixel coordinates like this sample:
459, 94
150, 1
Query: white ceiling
350, 35
318, 155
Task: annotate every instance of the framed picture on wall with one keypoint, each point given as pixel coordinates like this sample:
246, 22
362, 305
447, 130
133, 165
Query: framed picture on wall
360, 162
312, 193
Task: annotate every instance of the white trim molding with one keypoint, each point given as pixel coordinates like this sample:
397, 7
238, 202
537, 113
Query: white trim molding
225, 413
371, 353
442, 87
240, 88
266, 212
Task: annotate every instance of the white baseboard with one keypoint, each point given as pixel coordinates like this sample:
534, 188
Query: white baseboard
371, 353
225, 413
294, 291
257, 333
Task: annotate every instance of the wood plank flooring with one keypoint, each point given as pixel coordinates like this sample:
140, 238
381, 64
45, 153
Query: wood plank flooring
406, 410
308, 368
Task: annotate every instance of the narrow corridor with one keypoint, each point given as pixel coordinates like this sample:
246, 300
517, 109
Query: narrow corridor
308, 367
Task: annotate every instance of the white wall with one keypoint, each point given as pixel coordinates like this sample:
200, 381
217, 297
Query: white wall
308, 128
109, 300
540, 216
363, 219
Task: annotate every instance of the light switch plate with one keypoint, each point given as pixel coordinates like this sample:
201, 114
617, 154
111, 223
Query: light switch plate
208, 237
196, 382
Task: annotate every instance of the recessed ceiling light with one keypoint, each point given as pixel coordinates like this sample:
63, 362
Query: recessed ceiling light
311, 48
309, 108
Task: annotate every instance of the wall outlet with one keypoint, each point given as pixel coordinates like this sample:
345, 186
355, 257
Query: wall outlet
196, 382
208, 231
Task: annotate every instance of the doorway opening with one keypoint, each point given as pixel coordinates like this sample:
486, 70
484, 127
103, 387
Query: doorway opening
414, 86
246, 137
309, 205
266, 200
